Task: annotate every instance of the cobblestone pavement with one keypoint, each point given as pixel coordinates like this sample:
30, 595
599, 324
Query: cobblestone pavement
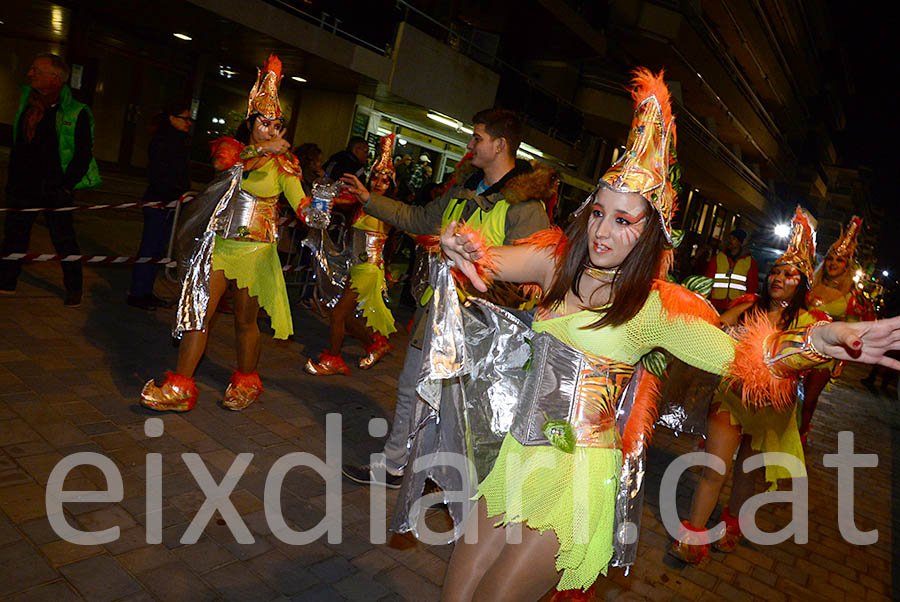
69, 382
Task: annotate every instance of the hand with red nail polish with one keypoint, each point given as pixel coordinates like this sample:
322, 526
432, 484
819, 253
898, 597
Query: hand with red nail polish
865, 342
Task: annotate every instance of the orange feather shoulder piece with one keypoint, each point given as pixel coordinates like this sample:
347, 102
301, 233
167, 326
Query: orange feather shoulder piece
683, 303
550, 238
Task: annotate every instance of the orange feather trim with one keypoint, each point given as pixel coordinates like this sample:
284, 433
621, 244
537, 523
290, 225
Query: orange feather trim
748, 298
185, 382
759, 387
645, 84
683, 303
430, 242
226, 152
644, 413
486, 267
247, 380
549, 238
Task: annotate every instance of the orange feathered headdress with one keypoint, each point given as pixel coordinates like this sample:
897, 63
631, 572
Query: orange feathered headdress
801, 251
264, 94
649, 165
845, 245
385, 161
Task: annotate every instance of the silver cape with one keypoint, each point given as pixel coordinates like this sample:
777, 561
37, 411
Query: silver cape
223, 209
476, 389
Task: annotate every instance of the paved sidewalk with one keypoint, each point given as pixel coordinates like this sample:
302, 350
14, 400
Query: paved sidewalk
69, 382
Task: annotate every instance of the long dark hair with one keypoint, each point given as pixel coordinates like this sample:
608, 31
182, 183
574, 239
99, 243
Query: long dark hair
242, 133
789, 313
633, 281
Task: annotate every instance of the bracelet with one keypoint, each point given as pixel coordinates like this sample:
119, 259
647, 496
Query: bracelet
791, 351
811, 349
251, 152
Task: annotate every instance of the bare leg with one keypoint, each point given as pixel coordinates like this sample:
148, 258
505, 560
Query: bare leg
359, 330
246, 330
470, 562
743, 483
344, 308
193, 343
722, 441
815, 383
523, 572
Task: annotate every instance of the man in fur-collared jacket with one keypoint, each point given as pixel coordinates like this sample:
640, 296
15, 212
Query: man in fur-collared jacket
492, 192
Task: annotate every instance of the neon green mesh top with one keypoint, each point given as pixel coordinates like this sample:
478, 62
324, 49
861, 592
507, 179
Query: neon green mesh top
693, 341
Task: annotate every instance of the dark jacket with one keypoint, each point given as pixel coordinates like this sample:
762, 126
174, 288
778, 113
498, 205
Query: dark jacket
344, 162
168, 165
35, 170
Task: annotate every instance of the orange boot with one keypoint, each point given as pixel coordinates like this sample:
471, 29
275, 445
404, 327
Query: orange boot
178, 393
732, 535
692, 545
243, 390
327, 364
375, 351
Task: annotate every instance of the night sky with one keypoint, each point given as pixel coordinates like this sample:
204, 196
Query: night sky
871, 45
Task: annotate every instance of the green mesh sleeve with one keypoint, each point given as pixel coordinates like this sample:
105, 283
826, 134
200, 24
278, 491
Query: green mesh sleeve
694, 342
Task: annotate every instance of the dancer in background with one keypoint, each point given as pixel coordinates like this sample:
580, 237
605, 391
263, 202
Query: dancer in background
833, 291
238, 250
366, 288
607, 298
770, 426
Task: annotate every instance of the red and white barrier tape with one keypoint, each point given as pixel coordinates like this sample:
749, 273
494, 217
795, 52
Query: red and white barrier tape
42, 257
33, 257
185, 199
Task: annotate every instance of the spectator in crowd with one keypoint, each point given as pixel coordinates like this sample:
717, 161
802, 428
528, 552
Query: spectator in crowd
51, 158
168, 172
351, 160
733, 270
418, 176
310, 156
701, 259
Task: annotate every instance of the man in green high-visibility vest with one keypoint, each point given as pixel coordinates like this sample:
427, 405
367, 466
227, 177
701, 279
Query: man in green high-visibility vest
51, 157
502, 197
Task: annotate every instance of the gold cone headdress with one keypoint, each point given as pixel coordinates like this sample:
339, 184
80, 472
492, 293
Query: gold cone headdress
649, 165
264, 94
385, 161
845, 245
801, 251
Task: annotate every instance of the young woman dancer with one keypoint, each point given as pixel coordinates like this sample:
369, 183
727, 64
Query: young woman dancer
732, 426
604, 297
239, 252
366, 286
833, 292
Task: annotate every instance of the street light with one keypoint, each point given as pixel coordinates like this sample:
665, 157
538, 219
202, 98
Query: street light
885, 273
782, 230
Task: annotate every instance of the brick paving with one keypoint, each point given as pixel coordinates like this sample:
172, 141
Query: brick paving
69, 381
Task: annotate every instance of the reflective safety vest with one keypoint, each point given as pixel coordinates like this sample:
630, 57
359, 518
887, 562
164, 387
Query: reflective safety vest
491, 224
730, 282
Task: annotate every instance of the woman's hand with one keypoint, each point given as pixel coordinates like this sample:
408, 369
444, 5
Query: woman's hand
464, 252
276, 145
355, 187
865, 342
